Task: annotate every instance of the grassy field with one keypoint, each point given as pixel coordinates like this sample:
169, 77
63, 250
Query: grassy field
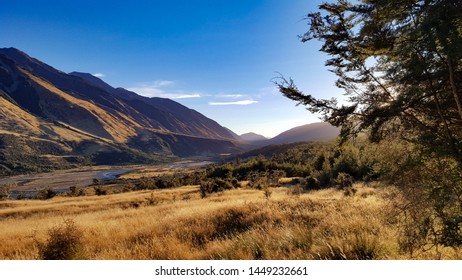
235, 224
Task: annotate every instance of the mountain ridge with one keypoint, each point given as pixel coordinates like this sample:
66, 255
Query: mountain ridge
66, 116
318, 131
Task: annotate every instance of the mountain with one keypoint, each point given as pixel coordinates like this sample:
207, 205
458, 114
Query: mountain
252, 137
320, 131
172, 115
50, 118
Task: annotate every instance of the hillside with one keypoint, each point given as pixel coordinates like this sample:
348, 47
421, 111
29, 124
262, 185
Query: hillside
252, 137
50, 118
320, 131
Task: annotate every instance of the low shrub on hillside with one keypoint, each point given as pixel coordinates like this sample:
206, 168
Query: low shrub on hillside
64, 242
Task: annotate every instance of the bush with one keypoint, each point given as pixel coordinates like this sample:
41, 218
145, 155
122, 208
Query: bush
45, 194
100, 190
76, 191
312, 183
431, 207
215, 185
344, 181
64, 242
5, 192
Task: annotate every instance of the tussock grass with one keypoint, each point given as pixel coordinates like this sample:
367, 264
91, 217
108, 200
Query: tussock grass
234, 224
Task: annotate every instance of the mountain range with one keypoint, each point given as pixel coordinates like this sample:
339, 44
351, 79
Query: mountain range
51, 119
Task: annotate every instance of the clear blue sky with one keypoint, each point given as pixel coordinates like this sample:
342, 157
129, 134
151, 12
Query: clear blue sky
215, 56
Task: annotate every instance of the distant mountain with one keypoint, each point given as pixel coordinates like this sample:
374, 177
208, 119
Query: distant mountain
252, 137
50, 118
235, 136
320, 131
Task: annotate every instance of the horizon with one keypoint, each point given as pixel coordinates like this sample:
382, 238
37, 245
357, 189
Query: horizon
219, 64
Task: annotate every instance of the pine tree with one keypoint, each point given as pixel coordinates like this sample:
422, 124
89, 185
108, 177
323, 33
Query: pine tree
400, 64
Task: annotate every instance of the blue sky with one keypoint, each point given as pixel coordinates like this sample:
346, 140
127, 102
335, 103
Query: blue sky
215, 56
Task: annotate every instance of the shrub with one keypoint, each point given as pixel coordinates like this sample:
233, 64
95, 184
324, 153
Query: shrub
151, 200
267, 192
430, 207
214, 185
312, 183
45, 194
64, 242
344, 181
76, 191
100, 190
4, 192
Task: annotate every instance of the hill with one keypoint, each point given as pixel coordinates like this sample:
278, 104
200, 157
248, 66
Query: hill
311, 132
253, 137
320, 131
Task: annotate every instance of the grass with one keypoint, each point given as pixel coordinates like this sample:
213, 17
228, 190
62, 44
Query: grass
235, 224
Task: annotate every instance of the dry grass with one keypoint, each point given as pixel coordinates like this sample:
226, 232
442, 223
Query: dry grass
236, 224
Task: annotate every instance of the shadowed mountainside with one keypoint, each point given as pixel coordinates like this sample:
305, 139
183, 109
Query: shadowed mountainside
50, 118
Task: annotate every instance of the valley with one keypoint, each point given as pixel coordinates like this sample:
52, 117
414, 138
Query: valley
61, 180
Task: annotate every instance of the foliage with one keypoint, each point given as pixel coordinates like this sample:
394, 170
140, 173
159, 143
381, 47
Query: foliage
76, 191
215, 185
5, 191
100, 190
344, 181
64, 242
400, 64
47, 193
432, 205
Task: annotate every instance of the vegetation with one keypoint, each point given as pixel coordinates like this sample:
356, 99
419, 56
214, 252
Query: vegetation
234, 224
63, 243
391, 188
400, 63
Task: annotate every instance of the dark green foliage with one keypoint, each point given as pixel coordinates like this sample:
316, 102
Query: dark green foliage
242, 171
400, 64
64, 242
434, 209
214, 185
312, 183
100, 190
5, 191
344, 181
76, 191
46, 193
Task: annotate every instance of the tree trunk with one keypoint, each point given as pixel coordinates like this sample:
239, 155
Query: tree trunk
454, 86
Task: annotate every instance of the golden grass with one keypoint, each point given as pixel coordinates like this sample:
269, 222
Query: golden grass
120, 127
235, 224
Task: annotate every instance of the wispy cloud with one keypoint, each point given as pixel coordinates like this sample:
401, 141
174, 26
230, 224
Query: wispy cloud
233, 96
157, 89
183, 96
240, 102
99, 75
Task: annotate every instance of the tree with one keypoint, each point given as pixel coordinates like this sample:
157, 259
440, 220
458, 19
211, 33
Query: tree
400, 64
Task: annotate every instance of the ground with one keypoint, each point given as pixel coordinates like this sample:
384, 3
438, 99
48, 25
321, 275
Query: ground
241, 223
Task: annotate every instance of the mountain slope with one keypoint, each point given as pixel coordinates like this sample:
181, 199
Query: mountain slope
53, 115
253, 137
309, 132
320, 131
171, 114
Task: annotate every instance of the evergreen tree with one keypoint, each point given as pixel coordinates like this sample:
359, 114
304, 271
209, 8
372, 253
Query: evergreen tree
400, 63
